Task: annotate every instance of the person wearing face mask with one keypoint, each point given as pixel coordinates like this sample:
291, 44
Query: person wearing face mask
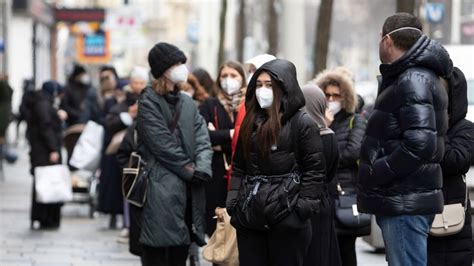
279, 172
401, 165
220, 114
80, 104
174, 142
349, 128
324, 248
44, 134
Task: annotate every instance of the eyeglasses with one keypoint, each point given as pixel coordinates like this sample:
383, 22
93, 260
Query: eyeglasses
336, 96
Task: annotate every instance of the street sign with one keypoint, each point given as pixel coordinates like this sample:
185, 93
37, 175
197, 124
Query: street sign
435, 12
93, 48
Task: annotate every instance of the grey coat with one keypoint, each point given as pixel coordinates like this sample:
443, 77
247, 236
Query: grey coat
170, 156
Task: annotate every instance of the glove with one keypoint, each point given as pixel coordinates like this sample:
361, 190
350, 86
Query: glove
200, 177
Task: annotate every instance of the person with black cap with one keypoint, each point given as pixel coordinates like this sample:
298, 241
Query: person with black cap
44, 133
174, 142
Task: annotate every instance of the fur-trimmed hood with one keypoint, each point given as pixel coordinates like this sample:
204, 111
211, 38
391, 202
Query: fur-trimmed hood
346, 86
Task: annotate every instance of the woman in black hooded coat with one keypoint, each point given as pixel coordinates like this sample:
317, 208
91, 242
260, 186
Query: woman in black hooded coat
44, 133
278, 175
459, 155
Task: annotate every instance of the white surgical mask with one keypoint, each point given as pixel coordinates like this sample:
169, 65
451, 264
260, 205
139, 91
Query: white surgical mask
85, 79
335, 107
264, 97
230, 86
179, 74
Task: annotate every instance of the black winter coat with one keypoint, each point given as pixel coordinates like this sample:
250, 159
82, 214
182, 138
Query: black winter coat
110, 189
400, 170
298, 148
455, 249
216, 190
80, 103
350, 130
44, 131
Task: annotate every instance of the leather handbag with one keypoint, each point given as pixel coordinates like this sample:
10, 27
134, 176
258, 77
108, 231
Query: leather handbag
348, 218
222, 247
134, 180
451, 220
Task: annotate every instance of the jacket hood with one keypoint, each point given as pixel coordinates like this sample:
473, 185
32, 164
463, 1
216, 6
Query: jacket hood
457, 92
424, 53
284, 73
346, 86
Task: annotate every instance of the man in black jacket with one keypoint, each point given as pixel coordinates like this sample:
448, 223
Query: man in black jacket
400, 177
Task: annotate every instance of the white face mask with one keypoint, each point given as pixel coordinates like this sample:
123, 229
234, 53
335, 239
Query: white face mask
264, 97
179, 74
335, 107
230, 86
85, 79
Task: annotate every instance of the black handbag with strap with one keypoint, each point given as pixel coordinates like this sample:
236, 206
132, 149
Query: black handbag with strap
349, 221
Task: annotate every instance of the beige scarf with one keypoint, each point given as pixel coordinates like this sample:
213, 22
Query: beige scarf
232, 103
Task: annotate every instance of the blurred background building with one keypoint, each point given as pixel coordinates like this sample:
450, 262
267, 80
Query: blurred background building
41, 39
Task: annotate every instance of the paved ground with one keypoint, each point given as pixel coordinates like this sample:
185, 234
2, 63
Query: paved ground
80, 240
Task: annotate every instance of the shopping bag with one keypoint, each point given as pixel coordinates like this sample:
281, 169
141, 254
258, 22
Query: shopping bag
53, 184
88, 149
222, 247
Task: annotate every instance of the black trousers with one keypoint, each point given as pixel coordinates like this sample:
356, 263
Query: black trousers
347, 250
169, 256
276, 247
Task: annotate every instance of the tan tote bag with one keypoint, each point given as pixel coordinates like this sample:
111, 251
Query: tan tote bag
222, 247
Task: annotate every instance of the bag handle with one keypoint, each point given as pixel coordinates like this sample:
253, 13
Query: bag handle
465, 197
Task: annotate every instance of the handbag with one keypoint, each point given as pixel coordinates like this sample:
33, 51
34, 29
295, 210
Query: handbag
135, 176
114, 144
222, 246
451, 220
348, 218
52, 184
88, 149
134, 180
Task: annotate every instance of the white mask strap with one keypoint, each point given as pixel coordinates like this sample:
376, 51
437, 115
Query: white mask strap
403, 28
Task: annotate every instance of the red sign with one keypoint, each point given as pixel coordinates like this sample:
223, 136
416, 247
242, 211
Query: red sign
76, 15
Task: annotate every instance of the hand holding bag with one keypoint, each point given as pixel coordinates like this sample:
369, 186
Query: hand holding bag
222, 247
451, 220
53, 184
114, 144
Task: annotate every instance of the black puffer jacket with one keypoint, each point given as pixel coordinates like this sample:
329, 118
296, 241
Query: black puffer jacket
299, 134
399, 169
455, 249
349, 129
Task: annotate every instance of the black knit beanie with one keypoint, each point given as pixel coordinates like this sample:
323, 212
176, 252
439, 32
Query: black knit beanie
163, 56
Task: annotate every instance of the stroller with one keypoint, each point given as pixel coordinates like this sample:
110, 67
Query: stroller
84, 183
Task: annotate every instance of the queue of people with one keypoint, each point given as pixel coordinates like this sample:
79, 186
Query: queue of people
279, 157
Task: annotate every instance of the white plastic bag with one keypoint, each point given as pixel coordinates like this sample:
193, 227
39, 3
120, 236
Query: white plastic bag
88, 150
53, 184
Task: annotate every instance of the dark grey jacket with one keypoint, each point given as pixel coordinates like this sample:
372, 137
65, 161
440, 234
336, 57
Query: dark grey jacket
169, 180
400, 170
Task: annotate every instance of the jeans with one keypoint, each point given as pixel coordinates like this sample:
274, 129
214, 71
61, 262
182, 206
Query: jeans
405, 238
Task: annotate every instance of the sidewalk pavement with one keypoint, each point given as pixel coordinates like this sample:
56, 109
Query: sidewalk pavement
80, 240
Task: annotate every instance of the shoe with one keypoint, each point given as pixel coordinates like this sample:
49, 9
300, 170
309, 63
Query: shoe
124, 233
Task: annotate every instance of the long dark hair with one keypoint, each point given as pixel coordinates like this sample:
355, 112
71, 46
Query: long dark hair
268, 131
